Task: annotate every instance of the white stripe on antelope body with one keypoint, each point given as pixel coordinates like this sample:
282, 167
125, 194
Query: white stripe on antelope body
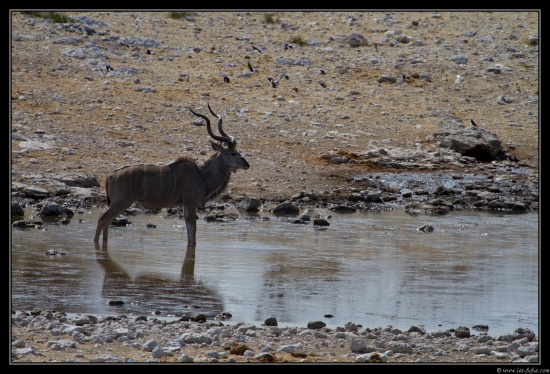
183, 182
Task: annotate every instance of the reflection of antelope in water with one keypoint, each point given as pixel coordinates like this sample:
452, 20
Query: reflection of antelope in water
158, 291
182, 182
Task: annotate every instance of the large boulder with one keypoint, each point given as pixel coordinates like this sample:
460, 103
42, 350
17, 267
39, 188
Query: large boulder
473, 142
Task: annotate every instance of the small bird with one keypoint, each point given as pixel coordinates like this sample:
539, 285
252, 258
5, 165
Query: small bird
251, 68
258, 49
473, 123
323, 72
149, 52
108, 67
274, 84
283, 75
269, 79
288, 46
322, 84
226, 79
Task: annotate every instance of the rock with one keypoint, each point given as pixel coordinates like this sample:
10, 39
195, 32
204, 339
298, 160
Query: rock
321, 222
343, 209
316, 325
16, 210
419, 329
251, 204
357, 40
54, 209
387, 78
36, 193
199, 318
239, 349
121, 222
76, 179
462, 332
473, 142
286, 209
426, 228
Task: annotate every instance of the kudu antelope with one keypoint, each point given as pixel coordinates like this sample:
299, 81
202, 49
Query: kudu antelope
182, 182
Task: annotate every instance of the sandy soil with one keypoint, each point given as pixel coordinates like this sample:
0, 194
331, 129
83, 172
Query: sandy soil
97, 121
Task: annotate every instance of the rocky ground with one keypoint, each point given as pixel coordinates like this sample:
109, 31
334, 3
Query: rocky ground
45, 336
365, 96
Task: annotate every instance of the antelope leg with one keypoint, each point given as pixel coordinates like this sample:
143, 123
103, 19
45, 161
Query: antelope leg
191, 224
107, 217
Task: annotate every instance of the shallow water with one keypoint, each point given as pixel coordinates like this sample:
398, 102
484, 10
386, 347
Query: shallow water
373, 269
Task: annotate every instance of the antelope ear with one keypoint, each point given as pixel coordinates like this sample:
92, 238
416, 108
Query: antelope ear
216, 146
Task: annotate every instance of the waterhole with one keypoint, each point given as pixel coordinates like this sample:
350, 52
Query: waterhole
372, 269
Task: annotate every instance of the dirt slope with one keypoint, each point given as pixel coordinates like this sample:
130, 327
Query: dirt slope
93, 120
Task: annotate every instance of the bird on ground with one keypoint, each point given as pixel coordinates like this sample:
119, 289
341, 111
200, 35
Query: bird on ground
258, 49
473, 123
273, 82
251, 68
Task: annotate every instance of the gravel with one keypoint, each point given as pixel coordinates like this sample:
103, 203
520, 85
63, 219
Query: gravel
49, 336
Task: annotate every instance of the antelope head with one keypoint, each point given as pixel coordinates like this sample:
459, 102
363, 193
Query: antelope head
233, 157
